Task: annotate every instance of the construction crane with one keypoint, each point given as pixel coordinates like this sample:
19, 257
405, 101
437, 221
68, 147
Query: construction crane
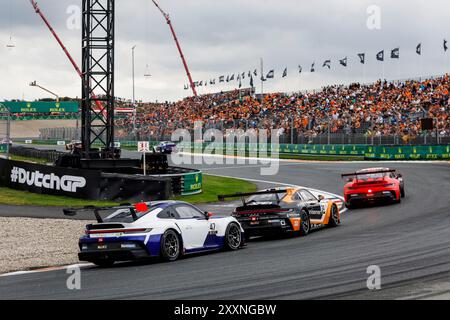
166, 16
63, 47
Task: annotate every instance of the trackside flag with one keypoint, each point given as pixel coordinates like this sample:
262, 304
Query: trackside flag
419, 49
445, 45
285, 73
362, 57
343, 62
380, 55
221, 79
326, 64
395, 53
300, 69
312, 67
271, 74
251, 81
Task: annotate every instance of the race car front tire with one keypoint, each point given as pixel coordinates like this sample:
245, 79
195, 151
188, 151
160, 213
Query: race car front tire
233, 237
170, 246
334, 218
402, 192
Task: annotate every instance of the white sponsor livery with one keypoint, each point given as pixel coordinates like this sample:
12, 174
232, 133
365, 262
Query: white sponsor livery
47, 181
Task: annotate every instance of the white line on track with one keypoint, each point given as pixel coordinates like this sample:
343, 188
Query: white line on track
314, 191
18, 273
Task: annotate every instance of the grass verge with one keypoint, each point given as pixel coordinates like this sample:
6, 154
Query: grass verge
212, 186
29, 159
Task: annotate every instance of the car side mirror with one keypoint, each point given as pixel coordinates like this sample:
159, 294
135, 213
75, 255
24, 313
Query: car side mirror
208, 214
321, 197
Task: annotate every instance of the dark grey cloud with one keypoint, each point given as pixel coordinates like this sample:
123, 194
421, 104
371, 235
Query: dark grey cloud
220, 37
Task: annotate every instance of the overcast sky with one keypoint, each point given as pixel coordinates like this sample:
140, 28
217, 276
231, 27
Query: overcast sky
226, 37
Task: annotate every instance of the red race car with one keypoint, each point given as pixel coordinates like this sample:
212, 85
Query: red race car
373, 185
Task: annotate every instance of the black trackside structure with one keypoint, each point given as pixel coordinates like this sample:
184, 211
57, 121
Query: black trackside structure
98, 75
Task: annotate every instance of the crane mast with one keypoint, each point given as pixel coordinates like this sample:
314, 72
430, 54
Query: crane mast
169, 22
63, 47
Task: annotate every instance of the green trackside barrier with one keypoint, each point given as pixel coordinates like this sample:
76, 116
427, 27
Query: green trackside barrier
408, 153
355, 150
193, 183
3, 148
369, 152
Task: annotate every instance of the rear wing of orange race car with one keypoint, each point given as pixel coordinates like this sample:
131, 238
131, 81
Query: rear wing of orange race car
249, 194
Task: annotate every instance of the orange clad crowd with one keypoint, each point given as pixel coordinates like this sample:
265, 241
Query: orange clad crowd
381, 108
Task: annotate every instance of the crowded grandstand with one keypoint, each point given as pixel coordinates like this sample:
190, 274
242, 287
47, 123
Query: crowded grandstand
379, 109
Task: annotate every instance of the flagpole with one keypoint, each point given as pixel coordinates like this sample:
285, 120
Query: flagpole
421, 64
262, 75
364, 72
299, 82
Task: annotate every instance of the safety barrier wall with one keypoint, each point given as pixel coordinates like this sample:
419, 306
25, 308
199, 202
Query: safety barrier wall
430, 152
182, 181
84, 184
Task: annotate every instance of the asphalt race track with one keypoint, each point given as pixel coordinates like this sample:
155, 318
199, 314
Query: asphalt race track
410, 242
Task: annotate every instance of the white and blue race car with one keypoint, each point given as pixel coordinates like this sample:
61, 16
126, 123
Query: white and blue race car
165, 229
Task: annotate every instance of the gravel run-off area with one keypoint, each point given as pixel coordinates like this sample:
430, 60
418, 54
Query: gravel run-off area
35, 243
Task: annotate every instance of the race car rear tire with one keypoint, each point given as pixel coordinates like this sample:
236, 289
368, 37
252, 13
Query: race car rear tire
305, 225
334, 218
402, 192
103, 263
233, 237
170, 246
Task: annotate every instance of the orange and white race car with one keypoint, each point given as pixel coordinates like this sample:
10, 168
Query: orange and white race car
289, 210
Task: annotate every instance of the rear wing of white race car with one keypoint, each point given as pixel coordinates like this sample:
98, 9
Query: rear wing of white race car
139, 207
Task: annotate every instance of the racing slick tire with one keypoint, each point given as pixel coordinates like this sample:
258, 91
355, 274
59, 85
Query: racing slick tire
402, 192
103, 263
170, 246
334, 218
305, 225
233, 237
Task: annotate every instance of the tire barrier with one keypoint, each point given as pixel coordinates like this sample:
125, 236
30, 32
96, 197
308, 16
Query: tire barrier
185, 182
48, 155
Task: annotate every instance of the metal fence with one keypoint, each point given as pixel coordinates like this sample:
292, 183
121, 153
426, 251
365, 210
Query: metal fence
291, 137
